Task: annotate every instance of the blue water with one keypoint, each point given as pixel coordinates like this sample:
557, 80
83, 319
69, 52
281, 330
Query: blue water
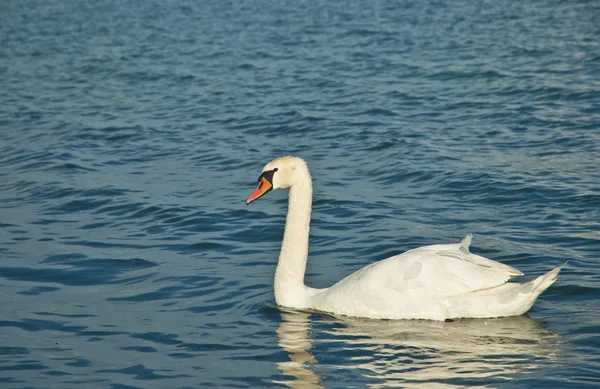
131, 134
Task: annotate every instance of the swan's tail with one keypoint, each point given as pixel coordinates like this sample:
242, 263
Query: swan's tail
508, 299
540, 284
530, 291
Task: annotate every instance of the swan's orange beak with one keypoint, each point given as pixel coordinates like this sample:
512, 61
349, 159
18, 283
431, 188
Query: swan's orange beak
263, 187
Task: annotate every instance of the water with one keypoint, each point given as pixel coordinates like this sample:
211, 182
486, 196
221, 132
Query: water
132, 133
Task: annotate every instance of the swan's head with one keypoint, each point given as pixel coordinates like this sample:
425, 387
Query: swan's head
280, 173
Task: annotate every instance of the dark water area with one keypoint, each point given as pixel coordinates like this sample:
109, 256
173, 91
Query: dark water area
132, 133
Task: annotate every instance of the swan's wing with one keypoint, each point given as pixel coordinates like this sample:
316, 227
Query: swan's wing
462, 252
436, 271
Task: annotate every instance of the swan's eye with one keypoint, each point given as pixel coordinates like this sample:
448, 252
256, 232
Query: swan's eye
276, 169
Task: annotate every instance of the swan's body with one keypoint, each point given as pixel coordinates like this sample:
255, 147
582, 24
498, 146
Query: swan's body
433, 282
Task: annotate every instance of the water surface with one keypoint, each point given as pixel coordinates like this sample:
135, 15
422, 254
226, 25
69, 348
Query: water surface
132, 133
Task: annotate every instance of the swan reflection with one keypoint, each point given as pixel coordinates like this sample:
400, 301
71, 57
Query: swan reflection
411, 353
292, 334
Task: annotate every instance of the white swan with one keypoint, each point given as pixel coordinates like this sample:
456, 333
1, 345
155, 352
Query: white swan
433, 282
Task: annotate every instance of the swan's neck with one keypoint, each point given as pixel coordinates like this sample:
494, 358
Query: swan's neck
289, 276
